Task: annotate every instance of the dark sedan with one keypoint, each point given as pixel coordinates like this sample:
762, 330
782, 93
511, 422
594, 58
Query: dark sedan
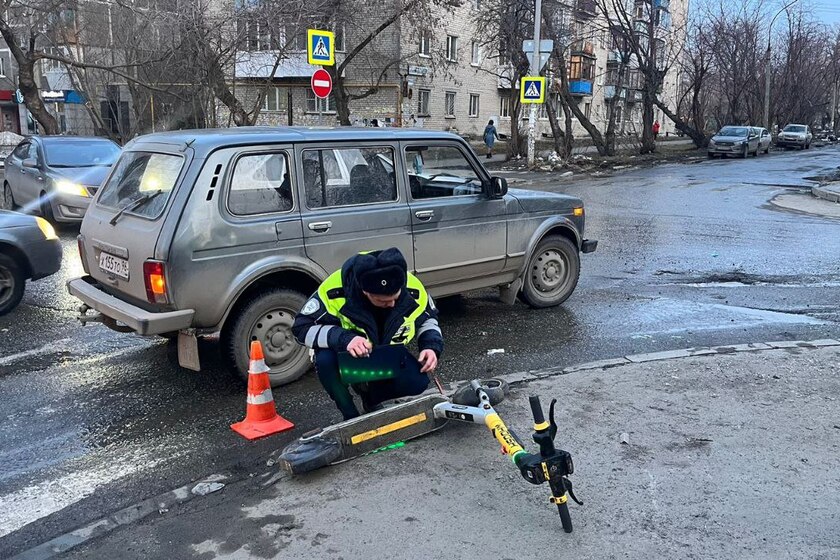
29, 249
56, 176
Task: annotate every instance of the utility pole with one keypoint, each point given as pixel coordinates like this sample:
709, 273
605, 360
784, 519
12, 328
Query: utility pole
535, 71
767, 66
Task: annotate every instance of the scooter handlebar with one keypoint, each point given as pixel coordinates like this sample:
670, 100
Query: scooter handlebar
536, 409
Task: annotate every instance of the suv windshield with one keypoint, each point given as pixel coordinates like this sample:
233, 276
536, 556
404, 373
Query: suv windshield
733, 131
795, 128
80, 153
138, 174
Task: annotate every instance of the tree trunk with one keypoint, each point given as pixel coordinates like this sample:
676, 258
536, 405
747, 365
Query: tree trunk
216, 77
32, 98
558, 135
341, 97
698, 137
568, 138
648, 141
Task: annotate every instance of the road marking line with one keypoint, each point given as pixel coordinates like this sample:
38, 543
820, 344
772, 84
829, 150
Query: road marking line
55, 346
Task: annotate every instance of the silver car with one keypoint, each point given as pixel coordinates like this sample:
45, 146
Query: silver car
764, 139
795, 136
56, 175
739, 141
198, 232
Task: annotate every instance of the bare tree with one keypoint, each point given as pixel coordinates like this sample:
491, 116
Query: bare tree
23, 27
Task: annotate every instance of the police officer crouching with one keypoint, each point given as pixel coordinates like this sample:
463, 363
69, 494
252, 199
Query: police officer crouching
372, 301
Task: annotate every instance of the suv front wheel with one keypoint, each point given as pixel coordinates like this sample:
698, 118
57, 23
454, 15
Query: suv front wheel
552, 272
268, 317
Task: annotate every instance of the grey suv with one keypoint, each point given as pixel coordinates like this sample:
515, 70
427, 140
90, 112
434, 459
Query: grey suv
197, 232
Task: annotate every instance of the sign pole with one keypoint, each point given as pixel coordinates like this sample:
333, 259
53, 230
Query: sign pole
535, 71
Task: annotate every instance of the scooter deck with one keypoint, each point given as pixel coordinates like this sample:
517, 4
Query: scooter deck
360, 436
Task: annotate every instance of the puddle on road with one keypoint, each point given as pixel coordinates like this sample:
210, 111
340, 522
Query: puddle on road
667, 316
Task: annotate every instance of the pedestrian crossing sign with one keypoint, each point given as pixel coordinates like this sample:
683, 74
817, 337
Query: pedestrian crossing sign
532, 89
320, 47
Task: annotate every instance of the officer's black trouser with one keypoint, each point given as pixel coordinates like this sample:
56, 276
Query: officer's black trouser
409, 382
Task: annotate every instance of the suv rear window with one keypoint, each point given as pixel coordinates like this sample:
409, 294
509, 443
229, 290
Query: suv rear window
139, 174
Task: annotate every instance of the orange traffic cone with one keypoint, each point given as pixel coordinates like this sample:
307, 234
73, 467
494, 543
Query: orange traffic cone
261, 418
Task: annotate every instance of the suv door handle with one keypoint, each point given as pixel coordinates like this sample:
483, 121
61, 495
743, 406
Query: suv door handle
320, 227
425, 215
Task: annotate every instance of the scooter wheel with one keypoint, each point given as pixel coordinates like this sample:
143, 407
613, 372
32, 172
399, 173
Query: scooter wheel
302, 456
496, 389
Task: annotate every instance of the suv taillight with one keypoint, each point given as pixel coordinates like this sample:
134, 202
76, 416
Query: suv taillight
82, 255
154, 275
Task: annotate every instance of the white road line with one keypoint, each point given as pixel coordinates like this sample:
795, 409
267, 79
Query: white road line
54, 346
28, 504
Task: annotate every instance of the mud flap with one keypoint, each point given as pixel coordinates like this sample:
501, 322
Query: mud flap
188, 350
359, 436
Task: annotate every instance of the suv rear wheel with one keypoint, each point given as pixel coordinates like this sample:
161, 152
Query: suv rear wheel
552, 272
268, 317
12, 283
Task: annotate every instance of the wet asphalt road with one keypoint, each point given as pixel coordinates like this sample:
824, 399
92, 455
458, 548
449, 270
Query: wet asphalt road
689, 255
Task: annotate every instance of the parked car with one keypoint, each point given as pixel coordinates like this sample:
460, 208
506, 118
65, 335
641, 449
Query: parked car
764, 139
795, 136
230, 231
738, 141
57, 175
29, 249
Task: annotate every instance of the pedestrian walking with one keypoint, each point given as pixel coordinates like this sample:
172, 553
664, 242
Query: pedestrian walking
656, 129
490, 137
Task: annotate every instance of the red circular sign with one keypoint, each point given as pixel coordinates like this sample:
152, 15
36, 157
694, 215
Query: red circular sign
321, 83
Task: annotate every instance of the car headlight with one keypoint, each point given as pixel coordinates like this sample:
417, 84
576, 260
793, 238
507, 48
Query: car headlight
69, 187
46, 228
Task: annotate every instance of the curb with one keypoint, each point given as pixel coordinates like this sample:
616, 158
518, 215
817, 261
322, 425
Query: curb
826, 193
159, 504
534, 375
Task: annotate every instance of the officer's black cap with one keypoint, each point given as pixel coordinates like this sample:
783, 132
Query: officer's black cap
382, 274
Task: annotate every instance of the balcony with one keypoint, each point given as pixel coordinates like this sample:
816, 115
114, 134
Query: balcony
586, 9
580, 87
583, 48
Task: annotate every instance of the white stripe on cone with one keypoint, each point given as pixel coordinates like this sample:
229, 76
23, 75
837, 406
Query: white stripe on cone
263, 398
258, 366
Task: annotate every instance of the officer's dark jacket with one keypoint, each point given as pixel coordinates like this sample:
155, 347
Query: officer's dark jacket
338, 311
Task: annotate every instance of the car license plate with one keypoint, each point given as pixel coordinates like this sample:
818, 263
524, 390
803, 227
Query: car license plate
113, 265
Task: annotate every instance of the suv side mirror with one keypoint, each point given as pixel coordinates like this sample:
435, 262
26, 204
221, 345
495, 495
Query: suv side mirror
30, 162
498, 187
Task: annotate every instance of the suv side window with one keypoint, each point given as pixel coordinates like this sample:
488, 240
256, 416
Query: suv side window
438, 171
260, 184
348, 176
22, 150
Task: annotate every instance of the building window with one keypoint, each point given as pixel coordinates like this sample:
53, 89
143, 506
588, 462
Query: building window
504, 106
315, 104
473, 105
2, 64
451, 48
449, 104
423, 97
425, 43
475, 56
581, 68
275, 100
476, 4
587, 108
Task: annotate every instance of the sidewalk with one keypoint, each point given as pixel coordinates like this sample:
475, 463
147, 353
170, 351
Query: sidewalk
830, 192
735, 454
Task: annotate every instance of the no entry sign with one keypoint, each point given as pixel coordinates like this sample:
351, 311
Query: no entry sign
321, 83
